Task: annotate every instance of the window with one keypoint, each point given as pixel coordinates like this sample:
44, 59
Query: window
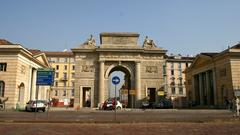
57, 60
172, 72
181, 90
179, 65
180, 81
2, 87
172, 84
172, 65
56, 93
65, 59
72, 92
73, 67
56, 83
180, 72
56, 75
64, 93
173, 90
65, 75
3, 66
73, 75
65, 67
57, 67
186, 64
164, 70
73, 84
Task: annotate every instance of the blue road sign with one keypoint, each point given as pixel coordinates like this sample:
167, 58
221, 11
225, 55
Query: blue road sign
45, 77
115, 80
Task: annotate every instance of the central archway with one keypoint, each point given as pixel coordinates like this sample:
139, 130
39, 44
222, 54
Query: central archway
123, 89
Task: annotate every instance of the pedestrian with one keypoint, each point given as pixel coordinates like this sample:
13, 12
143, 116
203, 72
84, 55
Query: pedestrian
237, 106
226, 103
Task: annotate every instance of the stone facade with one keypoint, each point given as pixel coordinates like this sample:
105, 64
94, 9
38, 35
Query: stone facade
117, 52
18, 70
214, 77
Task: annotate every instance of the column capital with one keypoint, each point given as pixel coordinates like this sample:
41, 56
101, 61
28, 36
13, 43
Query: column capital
138, 62
100, 61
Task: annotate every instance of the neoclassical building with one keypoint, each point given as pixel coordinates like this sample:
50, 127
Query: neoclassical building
142, 65
18, 71
214, 77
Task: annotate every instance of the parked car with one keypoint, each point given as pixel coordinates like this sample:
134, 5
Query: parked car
111, 104
145, 104
163, 103
37, 105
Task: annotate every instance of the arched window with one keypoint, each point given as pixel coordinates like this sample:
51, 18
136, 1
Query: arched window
21, 92
2, 88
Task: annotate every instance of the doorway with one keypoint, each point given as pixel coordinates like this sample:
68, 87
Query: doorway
152, 95
86, 97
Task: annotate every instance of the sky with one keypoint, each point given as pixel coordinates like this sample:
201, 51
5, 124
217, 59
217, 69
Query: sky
186, 27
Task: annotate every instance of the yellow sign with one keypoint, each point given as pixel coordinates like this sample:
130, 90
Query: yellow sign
160, 93
124, 92
132, 92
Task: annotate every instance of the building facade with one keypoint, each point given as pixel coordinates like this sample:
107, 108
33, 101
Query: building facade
63, 89
213, 78
175, 76
18, 72
142, 66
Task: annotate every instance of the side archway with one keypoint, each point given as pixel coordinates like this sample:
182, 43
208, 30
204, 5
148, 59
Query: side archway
2, 88
21, 90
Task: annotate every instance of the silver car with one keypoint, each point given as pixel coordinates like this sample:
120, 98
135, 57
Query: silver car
36, 105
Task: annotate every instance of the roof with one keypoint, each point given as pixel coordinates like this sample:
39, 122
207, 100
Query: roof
209, 54
119, 34
5, 42
59, 54
237, 46
35, 51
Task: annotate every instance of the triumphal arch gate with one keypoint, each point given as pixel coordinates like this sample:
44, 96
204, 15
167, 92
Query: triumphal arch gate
142, 65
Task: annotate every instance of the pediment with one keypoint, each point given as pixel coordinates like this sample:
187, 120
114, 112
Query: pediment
42, 58
200, 61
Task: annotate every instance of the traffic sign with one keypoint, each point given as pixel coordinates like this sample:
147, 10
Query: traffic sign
115, 80
45, 76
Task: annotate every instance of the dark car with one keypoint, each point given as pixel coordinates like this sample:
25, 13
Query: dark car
163, 103
147, 105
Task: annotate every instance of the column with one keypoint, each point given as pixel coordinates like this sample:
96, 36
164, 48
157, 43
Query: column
215, 88
201, 89
208, 88
80, 94
101, 82
138, 80
33, 89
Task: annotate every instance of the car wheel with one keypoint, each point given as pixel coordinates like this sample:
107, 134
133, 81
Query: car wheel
118, 108
43, 110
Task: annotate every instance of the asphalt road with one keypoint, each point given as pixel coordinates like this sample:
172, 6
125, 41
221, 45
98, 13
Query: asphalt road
127, 122
122, 116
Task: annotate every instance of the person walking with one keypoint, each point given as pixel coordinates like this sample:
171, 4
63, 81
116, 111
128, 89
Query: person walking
237, 106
